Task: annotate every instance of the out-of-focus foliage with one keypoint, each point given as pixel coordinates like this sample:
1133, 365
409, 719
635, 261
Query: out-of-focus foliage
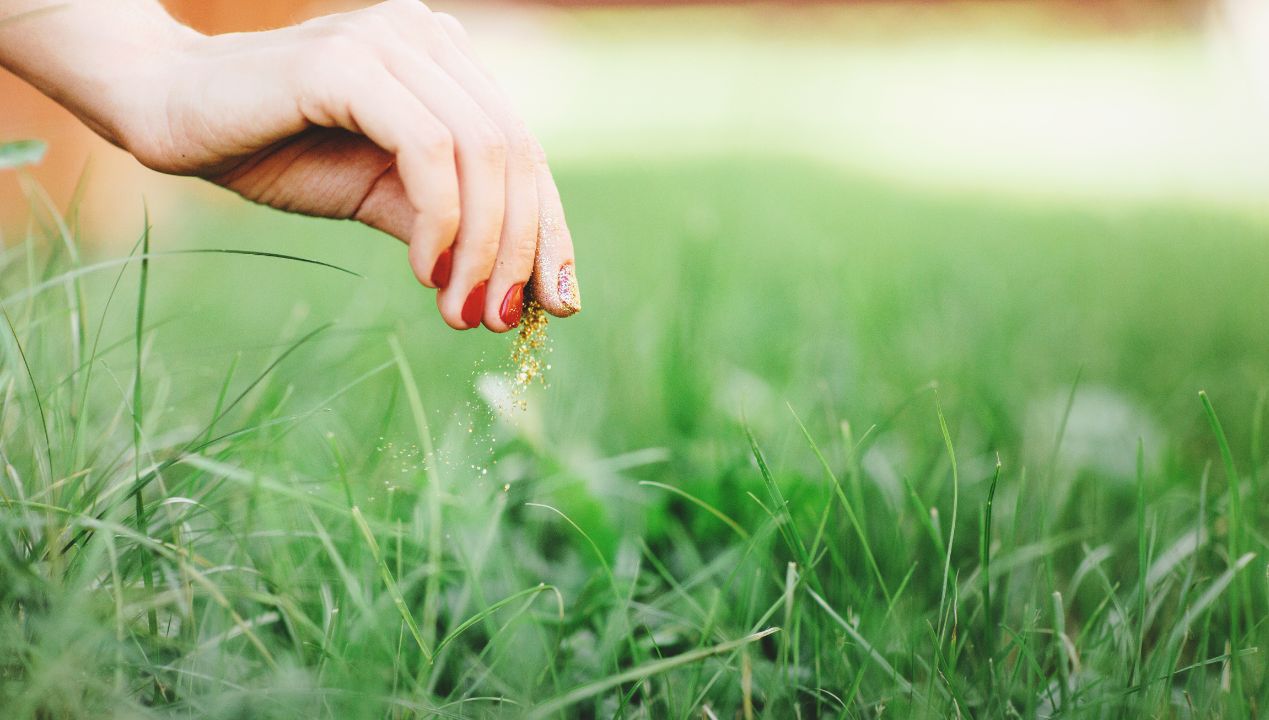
296, 550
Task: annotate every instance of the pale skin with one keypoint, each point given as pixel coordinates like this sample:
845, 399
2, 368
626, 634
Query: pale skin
382, 115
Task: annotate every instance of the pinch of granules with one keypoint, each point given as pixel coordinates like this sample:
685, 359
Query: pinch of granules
528, 353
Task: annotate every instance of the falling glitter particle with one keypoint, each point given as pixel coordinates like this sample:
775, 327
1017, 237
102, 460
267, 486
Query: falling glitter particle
528, 354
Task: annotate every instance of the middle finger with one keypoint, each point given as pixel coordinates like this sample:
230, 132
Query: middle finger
480, 150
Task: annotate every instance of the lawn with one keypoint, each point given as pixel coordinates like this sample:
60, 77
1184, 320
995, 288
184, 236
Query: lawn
818, 446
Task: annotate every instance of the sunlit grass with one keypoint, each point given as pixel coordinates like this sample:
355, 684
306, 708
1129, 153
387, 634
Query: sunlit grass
816, 448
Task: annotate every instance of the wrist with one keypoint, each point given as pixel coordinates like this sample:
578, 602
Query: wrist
102, 61
122, 95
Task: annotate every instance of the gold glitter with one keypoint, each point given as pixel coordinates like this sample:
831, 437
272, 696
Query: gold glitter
555, 284
570, 296
528, 353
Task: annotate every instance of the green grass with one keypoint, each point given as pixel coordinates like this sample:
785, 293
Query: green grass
816, 448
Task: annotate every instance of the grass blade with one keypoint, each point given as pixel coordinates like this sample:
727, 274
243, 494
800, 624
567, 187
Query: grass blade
194, 445
784, 518
1208, 597
490, 610
35, 390
435, 551
72, 275
393, 591
1235, 543
1143, 561
849, 509
984, 551
20, 153
572, 697
951, 533
877, 658
735, 526
138, 409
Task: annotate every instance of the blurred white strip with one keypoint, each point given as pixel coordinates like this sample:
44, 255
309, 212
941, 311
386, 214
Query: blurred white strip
1144, 116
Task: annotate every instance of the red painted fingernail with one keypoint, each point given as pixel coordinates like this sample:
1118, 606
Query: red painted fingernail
474, 306
512, 305
440, 271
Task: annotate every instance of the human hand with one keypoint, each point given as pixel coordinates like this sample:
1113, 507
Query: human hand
381, 115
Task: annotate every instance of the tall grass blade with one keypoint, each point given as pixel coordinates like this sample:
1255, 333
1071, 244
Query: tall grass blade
984, 550
1143, 561
138, 409
35, 391
787, 527
92, 355
34, 289
945, 615
435, 550
1060, 654
1235, 543
848, 507
390, 583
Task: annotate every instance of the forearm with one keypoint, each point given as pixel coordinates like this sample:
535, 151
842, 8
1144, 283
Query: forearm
95, 57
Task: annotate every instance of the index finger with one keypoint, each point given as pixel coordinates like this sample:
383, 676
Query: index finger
554, 281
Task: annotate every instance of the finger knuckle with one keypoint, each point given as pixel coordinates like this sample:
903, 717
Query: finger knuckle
437, 145
527, 242
333, 65
336, 54
412, 12
334, 44
521, 144
450, 23
489, 254
447, 216
536, 152
374, 28
488, 143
